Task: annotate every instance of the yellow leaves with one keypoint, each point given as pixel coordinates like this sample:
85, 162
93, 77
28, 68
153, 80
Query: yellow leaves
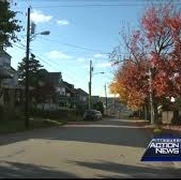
133, 98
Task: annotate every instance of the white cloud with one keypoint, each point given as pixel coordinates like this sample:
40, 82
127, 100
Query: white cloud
81, 60
105, 64
58, 55
38, 17
85, 67
99, 55
63, 22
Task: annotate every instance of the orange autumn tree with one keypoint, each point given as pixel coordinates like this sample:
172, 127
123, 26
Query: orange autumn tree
118, 88
160, 51
162, 25
132, 76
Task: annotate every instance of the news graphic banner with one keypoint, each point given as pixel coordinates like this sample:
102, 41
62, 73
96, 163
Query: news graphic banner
163, 149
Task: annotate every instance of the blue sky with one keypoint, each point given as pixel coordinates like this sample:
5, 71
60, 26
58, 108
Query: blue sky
80, 31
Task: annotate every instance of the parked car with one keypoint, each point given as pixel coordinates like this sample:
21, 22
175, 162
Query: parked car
92, 114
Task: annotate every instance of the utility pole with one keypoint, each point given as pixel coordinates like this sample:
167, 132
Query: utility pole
90, 83
106, 97
27, 71
151, 97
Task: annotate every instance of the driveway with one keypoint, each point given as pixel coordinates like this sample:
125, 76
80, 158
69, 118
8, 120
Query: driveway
111, 148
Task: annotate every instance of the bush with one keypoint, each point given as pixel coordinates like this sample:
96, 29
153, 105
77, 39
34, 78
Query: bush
80, 109
68, 114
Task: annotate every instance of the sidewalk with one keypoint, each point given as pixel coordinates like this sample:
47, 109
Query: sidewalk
166, 129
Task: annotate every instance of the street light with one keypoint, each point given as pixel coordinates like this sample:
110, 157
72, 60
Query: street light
29, 38
40, 33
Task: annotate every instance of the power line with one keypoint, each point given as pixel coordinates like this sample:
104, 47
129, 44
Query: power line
42, 60
20, 47
122, 4
23, 48
89, 6
66, 74
75, 46
53, 63
75, 80
95, 5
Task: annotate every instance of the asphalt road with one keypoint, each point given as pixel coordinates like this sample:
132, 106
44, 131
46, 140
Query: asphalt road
111, 148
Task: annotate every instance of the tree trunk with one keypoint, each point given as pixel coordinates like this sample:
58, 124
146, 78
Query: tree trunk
139, 113
176, 117
155, 109
146, 112
152, 112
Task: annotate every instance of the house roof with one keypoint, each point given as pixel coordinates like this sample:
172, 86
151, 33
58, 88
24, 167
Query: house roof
81, 92
4, 53
67, 85
12, 68
55, 74
54, 77
43, 70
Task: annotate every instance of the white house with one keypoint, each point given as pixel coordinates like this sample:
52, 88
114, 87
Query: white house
8, 80
8, 75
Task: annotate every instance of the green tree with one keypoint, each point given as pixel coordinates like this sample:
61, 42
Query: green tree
44, 93
9, 26
34, 67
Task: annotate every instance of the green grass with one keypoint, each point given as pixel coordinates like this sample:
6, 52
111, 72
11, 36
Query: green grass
18, 125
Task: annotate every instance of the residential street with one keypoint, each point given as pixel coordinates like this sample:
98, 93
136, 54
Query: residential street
111, 148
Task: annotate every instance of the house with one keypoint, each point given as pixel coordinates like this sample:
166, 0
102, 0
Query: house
5, 66
66, 94
81, 95
55, 78
50, 80
10, 92
8, 77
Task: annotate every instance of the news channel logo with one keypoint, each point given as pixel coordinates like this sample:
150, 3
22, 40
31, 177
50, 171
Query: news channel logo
163, 148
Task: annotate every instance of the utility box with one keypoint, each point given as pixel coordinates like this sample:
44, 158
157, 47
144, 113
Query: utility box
167, 117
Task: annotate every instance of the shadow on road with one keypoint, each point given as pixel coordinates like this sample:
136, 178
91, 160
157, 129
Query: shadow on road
125, 170
22, 170
109, 131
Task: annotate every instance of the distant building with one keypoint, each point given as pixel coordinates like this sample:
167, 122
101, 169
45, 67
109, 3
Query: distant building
95, 99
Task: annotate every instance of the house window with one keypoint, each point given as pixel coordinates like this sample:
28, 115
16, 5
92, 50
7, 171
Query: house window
6, 64
6, 96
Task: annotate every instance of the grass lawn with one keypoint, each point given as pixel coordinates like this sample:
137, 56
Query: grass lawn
18, 125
